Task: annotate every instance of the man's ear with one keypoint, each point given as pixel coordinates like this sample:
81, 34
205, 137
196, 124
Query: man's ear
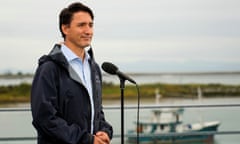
65, 29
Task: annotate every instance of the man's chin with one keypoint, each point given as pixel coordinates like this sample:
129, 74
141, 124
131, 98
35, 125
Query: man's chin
86, 46
83, 45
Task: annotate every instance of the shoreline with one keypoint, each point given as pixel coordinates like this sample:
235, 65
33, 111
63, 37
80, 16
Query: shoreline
144, 101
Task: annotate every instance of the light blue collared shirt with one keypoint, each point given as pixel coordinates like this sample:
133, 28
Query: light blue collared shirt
82, 68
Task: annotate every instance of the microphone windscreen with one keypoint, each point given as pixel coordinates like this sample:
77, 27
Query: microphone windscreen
109, 68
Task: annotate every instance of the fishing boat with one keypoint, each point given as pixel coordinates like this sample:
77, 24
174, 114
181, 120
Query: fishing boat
167, 126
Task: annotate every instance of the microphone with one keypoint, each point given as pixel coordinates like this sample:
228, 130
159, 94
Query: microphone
112, 69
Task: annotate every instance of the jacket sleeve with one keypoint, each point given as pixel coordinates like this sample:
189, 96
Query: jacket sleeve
44, 106
105, 126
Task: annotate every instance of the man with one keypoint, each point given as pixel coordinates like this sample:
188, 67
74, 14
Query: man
66, 91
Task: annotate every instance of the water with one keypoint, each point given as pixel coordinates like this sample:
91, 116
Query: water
15, 81
18, 124
177, 78
181, 78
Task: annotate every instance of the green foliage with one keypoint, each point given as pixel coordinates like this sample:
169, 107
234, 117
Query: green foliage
173, 90
18, 90
21, 92
16, 93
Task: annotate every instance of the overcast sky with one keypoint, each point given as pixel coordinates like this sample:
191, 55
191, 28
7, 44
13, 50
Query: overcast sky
136, 35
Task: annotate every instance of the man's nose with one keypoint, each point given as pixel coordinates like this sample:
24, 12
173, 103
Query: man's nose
88, 29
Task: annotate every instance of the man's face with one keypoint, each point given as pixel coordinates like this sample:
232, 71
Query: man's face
80, 31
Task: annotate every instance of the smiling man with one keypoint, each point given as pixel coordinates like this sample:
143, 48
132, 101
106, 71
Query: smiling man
66, 96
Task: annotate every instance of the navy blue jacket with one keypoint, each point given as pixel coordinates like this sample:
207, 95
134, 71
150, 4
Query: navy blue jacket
60, 103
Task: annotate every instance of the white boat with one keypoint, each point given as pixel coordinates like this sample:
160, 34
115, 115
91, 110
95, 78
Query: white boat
167, 126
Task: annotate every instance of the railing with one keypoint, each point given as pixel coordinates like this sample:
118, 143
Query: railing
237, 132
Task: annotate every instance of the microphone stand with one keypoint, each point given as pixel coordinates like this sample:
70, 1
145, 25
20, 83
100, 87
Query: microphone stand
122, 86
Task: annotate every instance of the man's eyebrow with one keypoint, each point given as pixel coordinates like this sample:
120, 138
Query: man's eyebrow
85, 23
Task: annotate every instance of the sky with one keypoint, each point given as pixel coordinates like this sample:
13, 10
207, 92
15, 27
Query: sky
135, 35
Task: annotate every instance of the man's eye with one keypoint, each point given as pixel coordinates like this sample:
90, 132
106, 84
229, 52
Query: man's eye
91, 25
81, 24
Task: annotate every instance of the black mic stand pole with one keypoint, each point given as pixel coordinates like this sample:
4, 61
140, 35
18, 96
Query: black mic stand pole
122, 86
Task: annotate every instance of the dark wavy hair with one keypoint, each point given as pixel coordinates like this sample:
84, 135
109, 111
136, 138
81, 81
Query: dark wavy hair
66, 14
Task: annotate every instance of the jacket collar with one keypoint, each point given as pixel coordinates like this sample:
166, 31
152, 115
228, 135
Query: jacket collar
57, 56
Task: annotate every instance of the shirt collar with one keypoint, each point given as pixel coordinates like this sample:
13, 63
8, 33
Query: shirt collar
70, 55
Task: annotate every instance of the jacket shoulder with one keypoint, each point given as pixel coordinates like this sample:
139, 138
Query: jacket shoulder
46, 69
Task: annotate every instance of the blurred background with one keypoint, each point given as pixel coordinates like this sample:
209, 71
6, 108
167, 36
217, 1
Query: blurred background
173, 47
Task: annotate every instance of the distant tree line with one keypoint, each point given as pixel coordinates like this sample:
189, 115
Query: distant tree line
10, 74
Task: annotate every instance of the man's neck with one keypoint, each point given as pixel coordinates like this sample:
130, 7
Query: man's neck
80, 52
